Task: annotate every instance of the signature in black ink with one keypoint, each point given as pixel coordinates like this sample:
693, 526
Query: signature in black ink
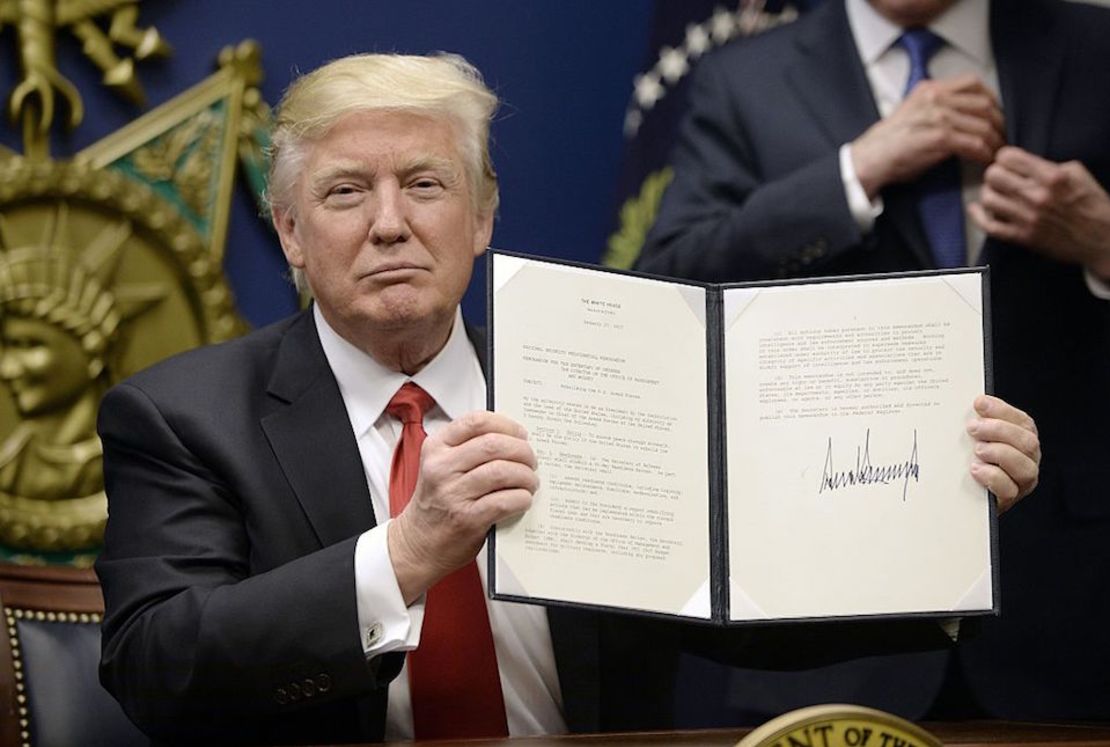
866, 473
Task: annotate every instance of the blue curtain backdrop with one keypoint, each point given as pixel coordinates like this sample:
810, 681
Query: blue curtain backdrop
562, 67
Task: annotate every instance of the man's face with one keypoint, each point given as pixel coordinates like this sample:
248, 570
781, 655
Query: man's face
907, 13
384, 226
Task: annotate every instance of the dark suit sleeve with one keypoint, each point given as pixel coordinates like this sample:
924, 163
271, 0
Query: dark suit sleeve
193, 645
729, 215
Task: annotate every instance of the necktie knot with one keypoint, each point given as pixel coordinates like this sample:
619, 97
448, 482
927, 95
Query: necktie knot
410, 404
920, 44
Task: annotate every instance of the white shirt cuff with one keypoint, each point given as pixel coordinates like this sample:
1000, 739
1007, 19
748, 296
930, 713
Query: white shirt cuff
1099, 288
384, 622
863, 210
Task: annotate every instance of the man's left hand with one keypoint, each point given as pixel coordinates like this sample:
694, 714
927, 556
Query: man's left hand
1057, 209
1007, 450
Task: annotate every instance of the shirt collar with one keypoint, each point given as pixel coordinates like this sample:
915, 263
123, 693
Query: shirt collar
965, 26
367, 386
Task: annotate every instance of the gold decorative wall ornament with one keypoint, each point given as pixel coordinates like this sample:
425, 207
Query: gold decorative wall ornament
99, 277
108, 262
636, 218
36, 21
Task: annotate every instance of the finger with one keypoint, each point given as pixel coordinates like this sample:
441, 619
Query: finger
952, 95
1024, 163
989, 406
1020, 467
965, 83
1005, 180
982, 128
477, 423
479, 450
972, 138
1078, 174
501, 505
991, 430
1007, 208
992, 226
1001, 484
981, 105
494, 476
994, 479
1043, 192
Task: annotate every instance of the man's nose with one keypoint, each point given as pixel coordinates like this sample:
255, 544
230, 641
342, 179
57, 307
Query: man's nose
390, 221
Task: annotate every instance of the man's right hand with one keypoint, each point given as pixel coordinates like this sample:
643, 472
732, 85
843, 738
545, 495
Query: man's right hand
939, 118
474, 472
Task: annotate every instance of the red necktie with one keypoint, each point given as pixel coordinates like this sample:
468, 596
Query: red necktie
456, 691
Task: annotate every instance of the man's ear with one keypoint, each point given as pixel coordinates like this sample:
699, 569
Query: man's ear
484, 233
285, 224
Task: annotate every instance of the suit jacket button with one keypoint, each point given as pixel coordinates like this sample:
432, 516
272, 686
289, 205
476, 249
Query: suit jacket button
308, 687
281, 696
294, 691
323, 682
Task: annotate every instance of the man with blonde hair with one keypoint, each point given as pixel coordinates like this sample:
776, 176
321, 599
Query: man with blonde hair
282, 538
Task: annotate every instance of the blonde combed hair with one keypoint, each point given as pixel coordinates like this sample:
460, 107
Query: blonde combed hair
440, 85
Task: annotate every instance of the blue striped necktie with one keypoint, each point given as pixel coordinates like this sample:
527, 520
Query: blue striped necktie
939, 201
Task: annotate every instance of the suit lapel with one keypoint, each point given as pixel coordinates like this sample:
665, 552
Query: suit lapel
1029, 59
828, 75
477, 337
310, 434
830, 79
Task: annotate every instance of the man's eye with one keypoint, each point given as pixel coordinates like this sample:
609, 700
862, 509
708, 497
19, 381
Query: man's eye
426, 184
343, 194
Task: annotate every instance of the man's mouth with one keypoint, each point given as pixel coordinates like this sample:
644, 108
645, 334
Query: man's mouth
400, 267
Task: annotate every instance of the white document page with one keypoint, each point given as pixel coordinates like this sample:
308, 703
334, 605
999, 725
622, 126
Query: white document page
608, 374
849, 490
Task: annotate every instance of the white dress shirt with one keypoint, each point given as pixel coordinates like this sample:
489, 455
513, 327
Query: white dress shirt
965, 27
521, 637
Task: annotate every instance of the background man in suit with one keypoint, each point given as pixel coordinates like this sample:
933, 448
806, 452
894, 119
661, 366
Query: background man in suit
820, 148
255, 589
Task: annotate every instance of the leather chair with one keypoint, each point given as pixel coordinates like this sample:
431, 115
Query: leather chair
50, 695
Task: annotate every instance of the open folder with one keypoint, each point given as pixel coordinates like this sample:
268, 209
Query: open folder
748, 452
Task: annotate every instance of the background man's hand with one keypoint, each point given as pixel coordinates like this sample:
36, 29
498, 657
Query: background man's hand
1007, 450
1056, 208
939, 118
474, 472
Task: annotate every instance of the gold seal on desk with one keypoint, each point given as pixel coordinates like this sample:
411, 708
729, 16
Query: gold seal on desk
839, 726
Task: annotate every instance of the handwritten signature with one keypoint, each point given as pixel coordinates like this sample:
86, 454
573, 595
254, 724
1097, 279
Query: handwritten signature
866, 473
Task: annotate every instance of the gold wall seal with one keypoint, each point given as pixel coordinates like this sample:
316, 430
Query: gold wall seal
99, 277
110, 261
839, 726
